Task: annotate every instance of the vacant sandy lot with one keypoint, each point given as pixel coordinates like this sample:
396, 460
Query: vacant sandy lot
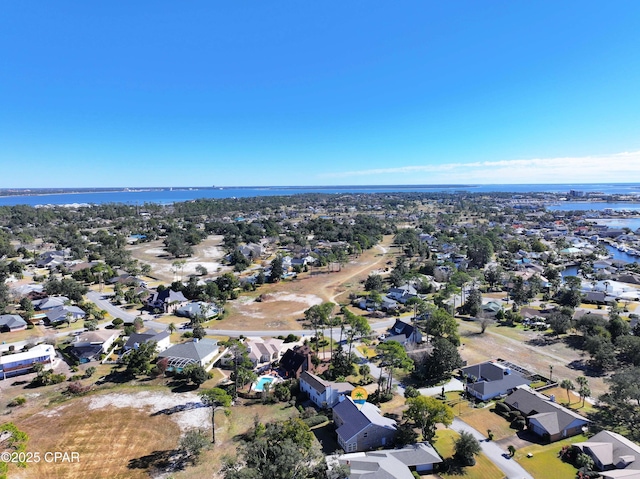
209, 254
282, 305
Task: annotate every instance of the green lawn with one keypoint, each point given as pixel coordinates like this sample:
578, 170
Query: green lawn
481, 419
576, 403
545, 463
367, 351
483, 469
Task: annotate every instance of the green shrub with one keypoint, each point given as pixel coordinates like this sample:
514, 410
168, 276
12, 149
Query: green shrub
17, 401
411, 392
57, 378
519, 424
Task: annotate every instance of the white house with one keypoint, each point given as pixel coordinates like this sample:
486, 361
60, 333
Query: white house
323, 393
92, 344
21, 363
161, 338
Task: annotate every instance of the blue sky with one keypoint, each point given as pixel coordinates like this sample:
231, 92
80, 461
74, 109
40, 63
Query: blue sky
318, 93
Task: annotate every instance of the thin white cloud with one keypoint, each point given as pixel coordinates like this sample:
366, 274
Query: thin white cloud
619, 167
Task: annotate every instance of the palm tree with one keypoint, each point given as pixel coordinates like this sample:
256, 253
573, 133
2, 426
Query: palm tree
583, 388
569, 386
172, 328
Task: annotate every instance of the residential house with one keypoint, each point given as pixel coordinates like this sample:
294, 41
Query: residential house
404, 333
251, 251
11, 322
61, 314
29, 289
545, 417
161, 338
403, 293
197, 309
391, 463
362, 427
50, 259
200, 352
614, 455
263, 352
22, 363
126, 279
82, 265
491, 308
491, 379
323, 393
50, 302
297, 360
91, 344
166, 300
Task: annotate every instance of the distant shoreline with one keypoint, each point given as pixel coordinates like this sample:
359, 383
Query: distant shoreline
11, 192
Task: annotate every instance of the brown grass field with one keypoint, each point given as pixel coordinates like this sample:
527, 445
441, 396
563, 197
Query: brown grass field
283, 304
117, 434
108, 441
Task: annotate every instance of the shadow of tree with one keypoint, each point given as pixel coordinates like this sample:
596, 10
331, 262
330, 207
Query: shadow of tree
326, 436
453, 467
181, 387
582, 365
169, 459
179, 408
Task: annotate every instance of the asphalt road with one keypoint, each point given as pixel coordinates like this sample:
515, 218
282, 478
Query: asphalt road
103, 302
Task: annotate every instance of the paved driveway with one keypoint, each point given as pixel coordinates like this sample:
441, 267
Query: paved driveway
494, 452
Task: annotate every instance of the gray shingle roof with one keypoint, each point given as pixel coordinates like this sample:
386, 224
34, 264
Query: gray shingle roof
11, 321
355, 420
140, 338
196, 350
610, 447
551, 415
390, 463
317, 383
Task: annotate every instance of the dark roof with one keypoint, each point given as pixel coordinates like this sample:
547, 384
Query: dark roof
493, 379
355, 419
552, 416
168, 296
87, 352
596, 296
400, 327
294, 359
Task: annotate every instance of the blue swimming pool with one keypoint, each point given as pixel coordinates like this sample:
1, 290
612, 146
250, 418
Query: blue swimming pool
262, 380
